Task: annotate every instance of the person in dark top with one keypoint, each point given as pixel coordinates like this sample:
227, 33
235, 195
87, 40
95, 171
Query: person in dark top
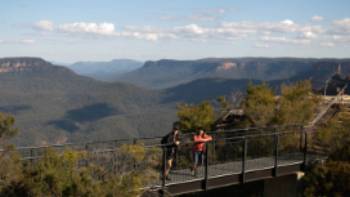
170, 144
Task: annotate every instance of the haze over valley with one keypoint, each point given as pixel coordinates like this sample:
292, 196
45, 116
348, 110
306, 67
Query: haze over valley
52, 104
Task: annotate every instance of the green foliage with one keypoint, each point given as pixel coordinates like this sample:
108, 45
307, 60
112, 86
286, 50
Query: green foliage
7, 129
336, 136
224, 104
10, 168
192, 117
333, 177
78, 173
330, 179
260, 104
296, 104
55, 174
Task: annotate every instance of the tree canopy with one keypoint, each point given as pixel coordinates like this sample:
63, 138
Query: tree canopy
192, 117
260, 104
331, 178
7, 129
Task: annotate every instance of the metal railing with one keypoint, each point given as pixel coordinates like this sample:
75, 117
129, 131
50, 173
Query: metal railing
240, 155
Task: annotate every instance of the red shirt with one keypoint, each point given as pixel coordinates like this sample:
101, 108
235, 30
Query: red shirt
199, 142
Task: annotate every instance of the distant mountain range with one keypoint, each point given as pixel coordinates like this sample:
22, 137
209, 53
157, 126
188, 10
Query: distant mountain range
52, 104
169, 73
105, 71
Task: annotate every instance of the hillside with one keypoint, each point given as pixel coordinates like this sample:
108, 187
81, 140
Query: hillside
52, 105
205, 89
169, 73
105, 71
164, 74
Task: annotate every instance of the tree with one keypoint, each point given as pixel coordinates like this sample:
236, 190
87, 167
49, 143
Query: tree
10, 164
260, 104
7, 129
331, 178
297, 104
192, 117
224, 104
80, 173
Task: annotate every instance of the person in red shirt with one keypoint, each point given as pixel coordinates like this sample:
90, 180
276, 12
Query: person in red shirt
199, 148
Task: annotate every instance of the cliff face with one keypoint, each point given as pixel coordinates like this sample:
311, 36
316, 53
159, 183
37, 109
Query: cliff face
170, 73
18, 64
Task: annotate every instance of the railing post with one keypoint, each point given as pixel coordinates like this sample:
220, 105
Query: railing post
214, 148
86, 147
301, 138
162, 191
276, 143
244, 158
305, 149
31, 156
163, 167
134, 142
206, 167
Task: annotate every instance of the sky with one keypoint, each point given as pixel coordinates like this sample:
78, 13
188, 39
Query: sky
66, 31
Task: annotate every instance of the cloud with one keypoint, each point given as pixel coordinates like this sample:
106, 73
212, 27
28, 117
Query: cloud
89, 28
139, 35
44, 25
104, 29
342, 25
327, 44
27, 41
191, 29
285, 40
285, 26
18, 41
342, 39
308, 35
317, 18
263, 33
145, 33
288, 22
262, 45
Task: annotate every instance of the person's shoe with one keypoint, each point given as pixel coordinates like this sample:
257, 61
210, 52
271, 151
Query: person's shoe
167, 178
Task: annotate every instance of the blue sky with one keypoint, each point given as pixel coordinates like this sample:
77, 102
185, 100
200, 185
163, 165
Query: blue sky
74, 30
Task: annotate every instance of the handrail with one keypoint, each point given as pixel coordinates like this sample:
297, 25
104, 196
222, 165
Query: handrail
323, 112
82, 144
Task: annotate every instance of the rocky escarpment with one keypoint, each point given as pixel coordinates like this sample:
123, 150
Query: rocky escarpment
18, 64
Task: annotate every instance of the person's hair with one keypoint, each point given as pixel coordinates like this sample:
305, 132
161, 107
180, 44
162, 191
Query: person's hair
199, 131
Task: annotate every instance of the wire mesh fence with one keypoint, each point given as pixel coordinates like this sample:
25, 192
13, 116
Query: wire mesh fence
183, 168
260, 152
225, 157
290, 148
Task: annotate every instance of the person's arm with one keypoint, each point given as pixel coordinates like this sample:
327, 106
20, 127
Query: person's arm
208, 137
198, 139
176, 139
201, 139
